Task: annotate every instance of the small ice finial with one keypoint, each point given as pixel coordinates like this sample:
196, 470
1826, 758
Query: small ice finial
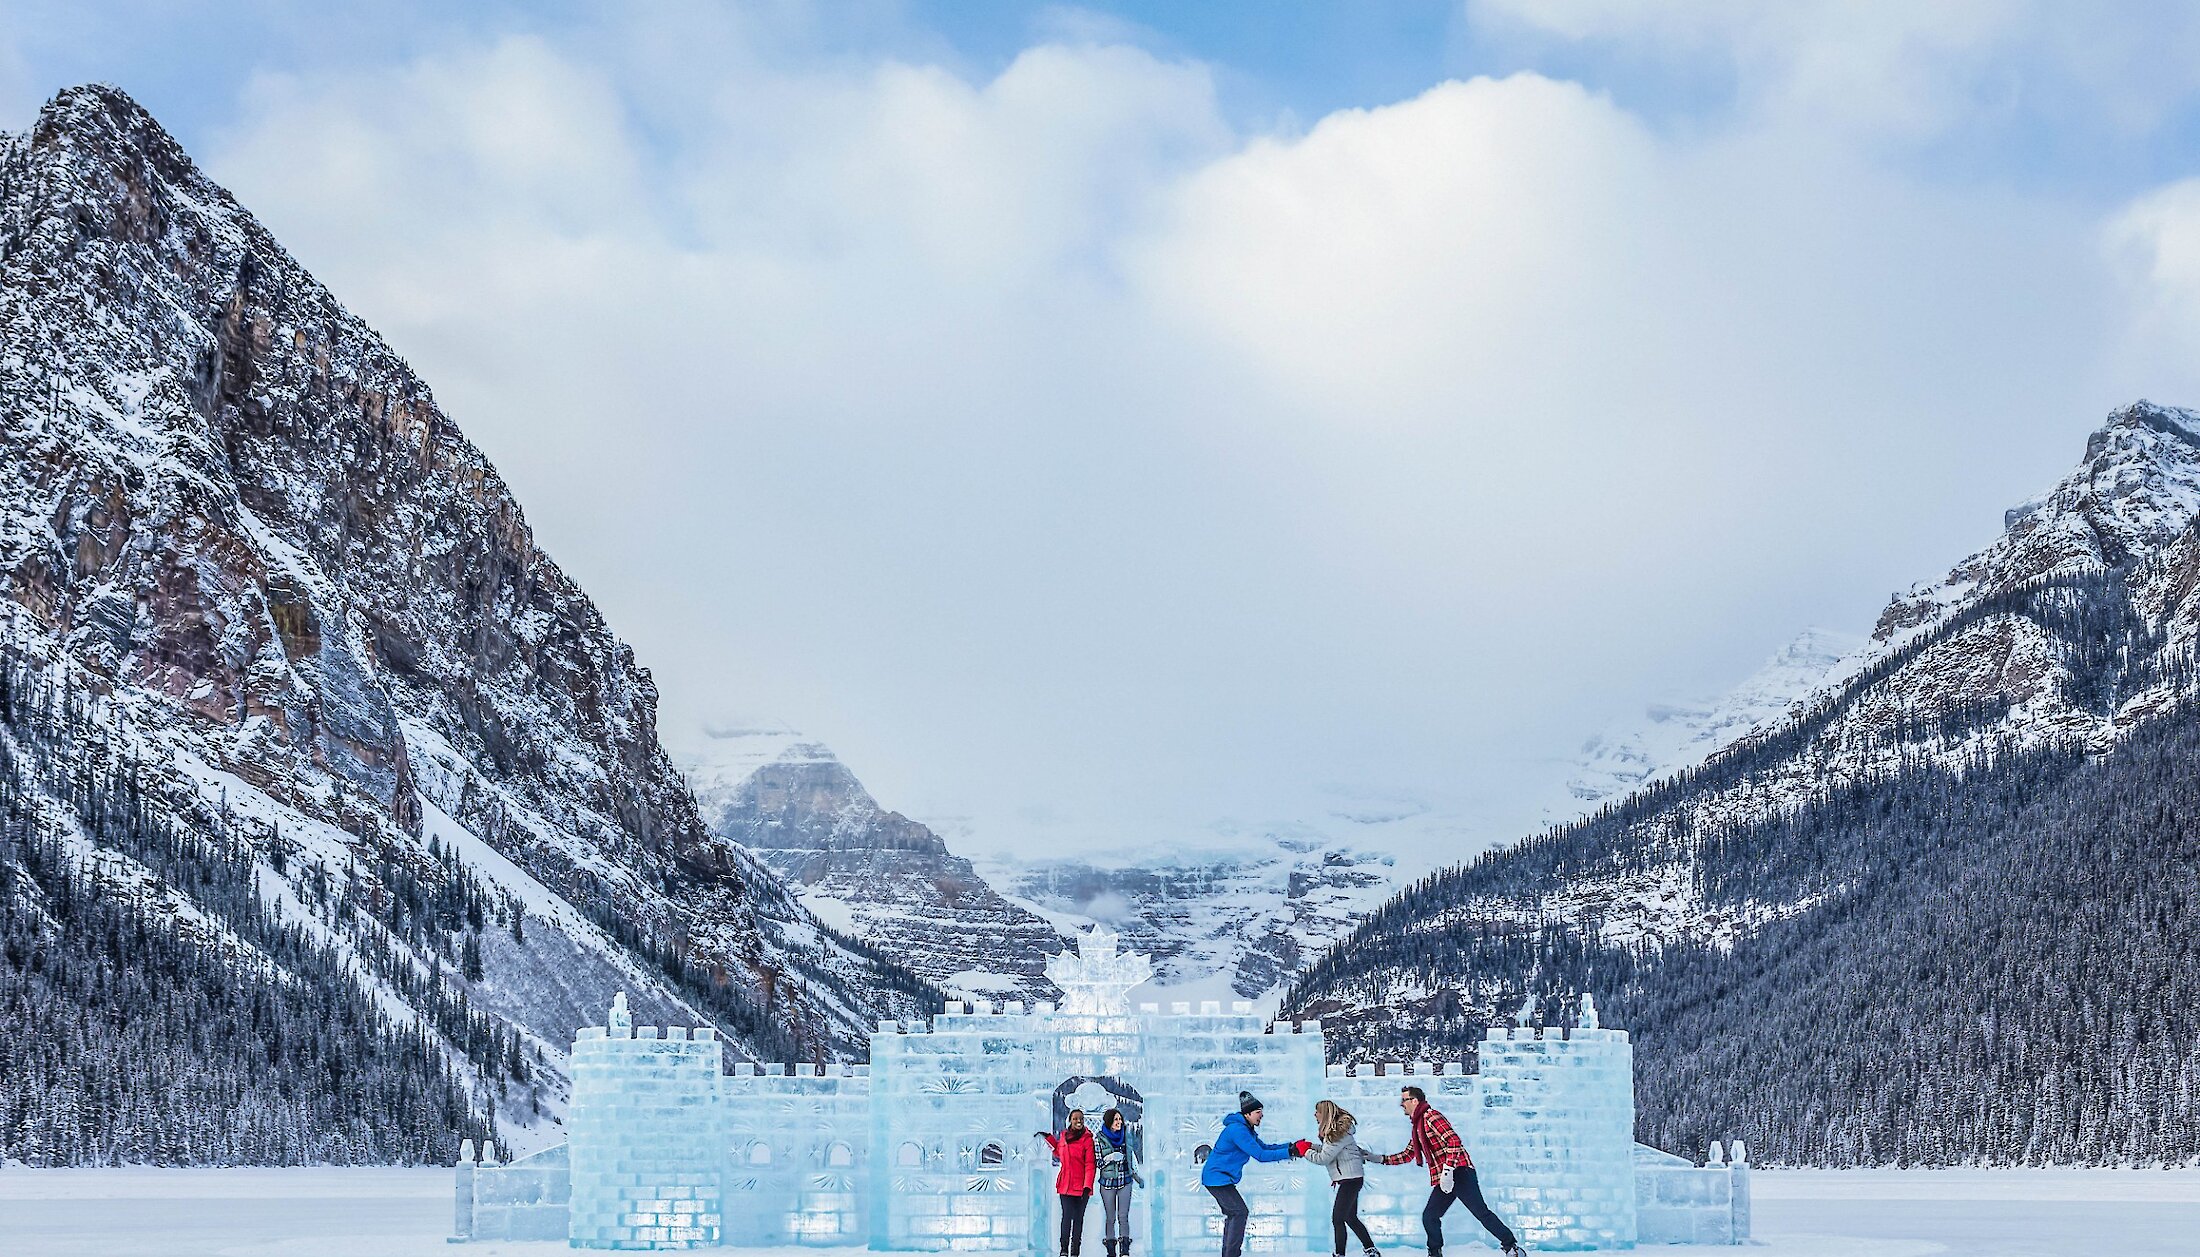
1099, 978
1741, 1153
1526, 1017
620, 1019
1588, 1011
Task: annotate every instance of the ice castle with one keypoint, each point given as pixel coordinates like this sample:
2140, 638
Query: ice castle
931, 1146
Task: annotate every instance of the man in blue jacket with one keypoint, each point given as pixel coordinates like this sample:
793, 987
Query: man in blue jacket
1236, 1145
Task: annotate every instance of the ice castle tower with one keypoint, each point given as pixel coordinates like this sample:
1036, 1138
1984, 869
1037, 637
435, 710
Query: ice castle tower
646, 1136
930, 1147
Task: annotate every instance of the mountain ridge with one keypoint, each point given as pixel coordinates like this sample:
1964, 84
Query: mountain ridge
1794, 862
308, 607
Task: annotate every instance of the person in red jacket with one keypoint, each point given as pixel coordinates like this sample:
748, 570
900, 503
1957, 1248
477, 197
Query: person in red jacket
1450, 1173
1073, 1152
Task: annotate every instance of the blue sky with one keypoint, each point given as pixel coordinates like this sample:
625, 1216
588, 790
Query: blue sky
1155, 422
1277, 65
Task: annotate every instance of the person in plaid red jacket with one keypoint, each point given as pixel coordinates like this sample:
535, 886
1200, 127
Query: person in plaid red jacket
1450, 1173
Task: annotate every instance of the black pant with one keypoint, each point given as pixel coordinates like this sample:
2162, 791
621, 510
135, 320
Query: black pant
1234, 1214
1073, 1223
1346, 1213
1463, 1187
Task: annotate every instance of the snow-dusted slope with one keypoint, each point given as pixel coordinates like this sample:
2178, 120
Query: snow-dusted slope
875, 874
2136, 491
2000, 652
233, 511
1669, 737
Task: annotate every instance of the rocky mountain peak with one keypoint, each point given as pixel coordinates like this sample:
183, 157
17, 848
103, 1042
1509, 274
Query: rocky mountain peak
98, 126
808, 798
2135, 491
878, 874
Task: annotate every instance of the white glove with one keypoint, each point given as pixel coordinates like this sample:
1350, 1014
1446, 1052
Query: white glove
1443, 1180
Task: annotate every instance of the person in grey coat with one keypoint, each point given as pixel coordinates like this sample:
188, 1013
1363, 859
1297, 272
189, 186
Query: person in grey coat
1347, 1163
1118, 1170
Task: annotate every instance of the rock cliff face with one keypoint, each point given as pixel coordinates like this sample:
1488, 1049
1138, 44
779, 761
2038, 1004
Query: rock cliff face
231, 510
876, 874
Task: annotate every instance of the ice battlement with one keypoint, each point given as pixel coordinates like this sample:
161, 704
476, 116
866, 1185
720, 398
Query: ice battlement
1397, 1069
800, 1069
700, 1034
930, 1145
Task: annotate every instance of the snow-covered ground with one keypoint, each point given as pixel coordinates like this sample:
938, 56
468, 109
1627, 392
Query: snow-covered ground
407, 1213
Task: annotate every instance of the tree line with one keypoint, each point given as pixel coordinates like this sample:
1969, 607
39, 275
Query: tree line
179, 1017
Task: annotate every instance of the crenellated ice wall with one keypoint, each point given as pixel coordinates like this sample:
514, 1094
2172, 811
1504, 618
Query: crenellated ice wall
931, 1146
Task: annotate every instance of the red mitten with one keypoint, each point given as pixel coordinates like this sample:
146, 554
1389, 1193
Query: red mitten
1299, 1149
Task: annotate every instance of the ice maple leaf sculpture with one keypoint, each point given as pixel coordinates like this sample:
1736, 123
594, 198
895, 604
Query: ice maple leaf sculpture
1097, 980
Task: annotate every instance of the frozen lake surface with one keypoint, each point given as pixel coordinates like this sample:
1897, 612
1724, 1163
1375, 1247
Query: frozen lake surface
407, 1213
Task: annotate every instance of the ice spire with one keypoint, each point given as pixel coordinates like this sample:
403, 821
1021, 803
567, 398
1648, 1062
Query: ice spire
1588, 1011
1097, 981
621, 1022
1526, 1016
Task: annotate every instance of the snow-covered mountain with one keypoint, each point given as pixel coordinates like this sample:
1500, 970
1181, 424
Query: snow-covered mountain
1228, 924
304, 625
875, 874
1229, 914
1241, 920
1957, 868
1671, 736
1221, 920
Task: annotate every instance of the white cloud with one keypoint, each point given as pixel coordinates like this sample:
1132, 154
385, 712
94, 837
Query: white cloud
2156, 239
1900, 68
2154, 245
1077, 463
1474, 232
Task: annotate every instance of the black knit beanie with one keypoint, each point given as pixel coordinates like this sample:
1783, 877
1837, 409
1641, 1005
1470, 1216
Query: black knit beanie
1248, 1104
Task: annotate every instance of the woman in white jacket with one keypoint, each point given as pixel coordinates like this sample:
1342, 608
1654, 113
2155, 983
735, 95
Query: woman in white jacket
1347, 1163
